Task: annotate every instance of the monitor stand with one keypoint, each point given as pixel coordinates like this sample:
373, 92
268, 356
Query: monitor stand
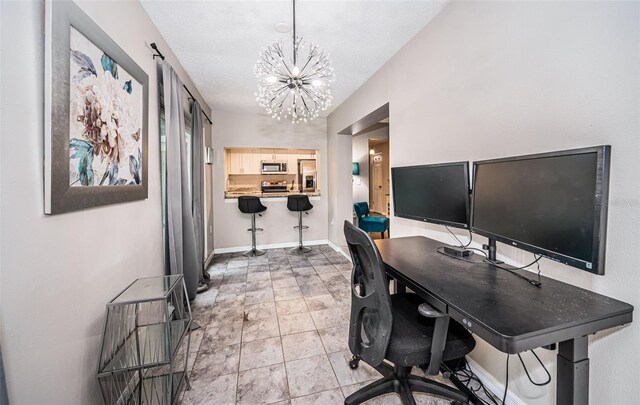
491, 254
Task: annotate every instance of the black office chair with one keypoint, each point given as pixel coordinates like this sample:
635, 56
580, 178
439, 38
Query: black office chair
299, 203
401, 328
253, 206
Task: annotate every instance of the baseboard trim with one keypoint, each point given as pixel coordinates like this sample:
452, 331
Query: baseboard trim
339, 250
271, 246
209, 259
493, 385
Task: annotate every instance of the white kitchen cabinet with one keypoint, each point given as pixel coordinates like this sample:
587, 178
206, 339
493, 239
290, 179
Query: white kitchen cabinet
274, 154
234, 159
243, 161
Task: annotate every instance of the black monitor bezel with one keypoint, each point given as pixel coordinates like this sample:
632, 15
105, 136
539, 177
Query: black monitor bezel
465, 166
600, 209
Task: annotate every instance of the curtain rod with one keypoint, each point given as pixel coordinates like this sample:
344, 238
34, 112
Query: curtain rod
161, 56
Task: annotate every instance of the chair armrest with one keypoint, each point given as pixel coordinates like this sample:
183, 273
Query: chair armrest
428, 311
439, 338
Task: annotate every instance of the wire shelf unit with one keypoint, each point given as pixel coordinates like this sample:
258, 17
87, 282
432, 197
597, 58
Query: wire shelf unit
145, 343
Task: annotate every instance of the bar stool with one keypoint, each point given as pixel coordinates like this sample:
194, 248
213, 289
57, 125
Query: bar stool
299, 203
253, 206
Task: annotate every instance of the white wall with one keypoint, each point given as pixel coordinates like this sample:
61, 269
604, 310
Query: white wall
254, 130
360, 154
491, 79
59, 271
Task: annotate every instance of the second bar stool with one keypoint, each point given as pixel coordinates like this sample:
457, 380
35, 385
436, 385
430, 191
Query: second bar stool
299, 203
253, 206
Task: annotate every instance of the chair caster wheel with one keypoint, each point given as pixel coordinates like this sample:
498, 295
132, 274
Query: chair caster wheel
354, 363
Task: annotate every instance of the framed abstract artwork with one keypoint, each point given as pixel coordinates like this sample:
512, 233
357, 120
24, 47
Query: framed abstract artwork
96, 115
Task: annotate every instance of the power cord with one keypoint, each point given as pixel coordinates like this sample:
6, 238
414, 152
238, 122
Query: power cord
536, 283
543, 367
462, 245
466, 376
506, 382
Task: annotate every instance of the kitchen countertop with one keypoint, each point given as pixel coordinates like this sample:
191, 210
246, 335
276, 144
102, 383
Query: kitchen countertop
260, 194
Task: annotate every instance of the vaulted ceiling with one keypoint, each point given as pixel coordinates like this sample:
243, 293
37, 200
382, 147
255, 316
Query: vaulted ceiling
217, 42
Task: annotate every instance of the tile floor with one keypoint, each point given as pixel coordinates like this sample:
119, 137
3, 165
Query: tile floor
274, 331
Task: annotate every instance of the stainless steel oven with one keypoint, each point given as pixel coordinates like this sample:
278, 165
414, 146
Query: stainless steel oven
273, 167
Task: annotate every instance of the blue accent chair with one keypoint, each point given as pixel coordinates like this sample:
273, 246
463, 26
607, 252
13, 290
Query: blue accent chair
370, 223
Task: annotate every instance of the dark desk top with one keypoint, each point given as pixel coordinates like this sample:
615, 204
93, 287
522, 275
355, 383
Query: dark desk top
503, 309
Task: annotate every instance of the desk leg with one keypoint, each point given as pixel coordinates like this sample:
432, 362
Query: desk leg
572, 383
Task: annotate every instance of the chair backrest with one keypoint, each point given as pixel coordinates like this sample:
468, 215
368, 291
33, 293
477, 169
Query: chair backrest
361, 209
250, 205
371, 314
298, 202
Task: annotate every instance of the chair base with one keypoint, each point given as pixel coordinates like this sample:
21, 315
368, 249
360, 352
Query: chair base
253, 252
298, 250
399, 380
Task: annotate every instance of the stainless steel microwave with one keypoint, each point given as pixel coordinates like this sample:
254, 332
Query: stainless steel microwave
273, 167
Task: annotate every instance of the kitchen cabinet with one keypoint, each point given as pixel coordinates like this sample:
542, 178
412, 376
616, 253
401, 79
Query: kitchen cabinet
306, 154
234, 157
274, 154
292, 161
252, 158
243, 161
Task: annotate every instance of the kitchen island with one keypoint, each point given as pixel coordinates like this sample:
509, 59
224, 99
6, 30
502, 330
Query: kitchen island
234, 194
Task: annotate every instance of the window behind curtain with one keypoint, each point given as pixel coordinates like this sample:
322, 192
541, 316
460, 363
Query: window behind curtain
163, 174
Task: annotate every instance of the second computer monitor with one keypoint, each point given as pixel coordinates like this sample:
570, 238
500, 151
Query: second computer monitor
437, 193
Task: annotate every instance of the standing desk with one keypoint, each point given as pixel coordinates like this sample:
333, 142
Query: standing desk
506, 311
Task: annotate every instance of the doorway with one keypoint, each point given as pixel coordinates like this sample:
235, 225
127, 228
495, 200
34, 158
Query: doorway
379, 176
371, 175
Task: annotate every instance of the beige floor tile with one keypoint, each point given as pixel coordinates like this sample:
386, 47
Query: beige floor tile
223, 335
292, 306
335, 339
302, 345
220, 390
216, 361
260, 329
286, 293
320, 302
266, 385
261, 353
310, 375
259, 311
331, 397
348, 376
295, 323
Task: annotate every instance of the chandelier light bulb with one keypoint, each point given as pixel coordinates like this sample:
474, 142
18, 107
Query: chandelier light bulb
271, 79
295, 71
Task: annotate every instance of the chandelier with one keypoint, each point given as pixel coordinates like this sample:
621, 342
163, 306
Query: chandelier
294, 87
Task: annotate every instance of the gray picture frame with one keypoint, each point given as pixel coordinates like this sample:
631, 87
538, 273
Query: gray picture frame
60, 197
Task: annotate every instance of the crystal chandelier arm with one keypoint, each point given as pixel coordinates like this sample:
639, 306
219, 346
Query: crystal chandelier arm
311, 97
271, 61
278, 93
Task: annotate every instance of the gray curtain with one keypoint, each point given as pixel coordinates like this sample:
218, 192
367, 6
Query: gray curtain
197, 176
181, 237
4, 395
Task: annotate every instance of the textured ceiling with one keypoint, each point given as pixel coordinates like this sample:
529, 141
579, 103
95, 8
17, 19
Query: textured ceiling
217, 42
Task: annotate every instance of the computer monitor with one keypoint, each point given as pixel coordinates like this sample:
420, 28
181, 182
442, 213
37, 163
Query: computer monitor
437, 193
552, 204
